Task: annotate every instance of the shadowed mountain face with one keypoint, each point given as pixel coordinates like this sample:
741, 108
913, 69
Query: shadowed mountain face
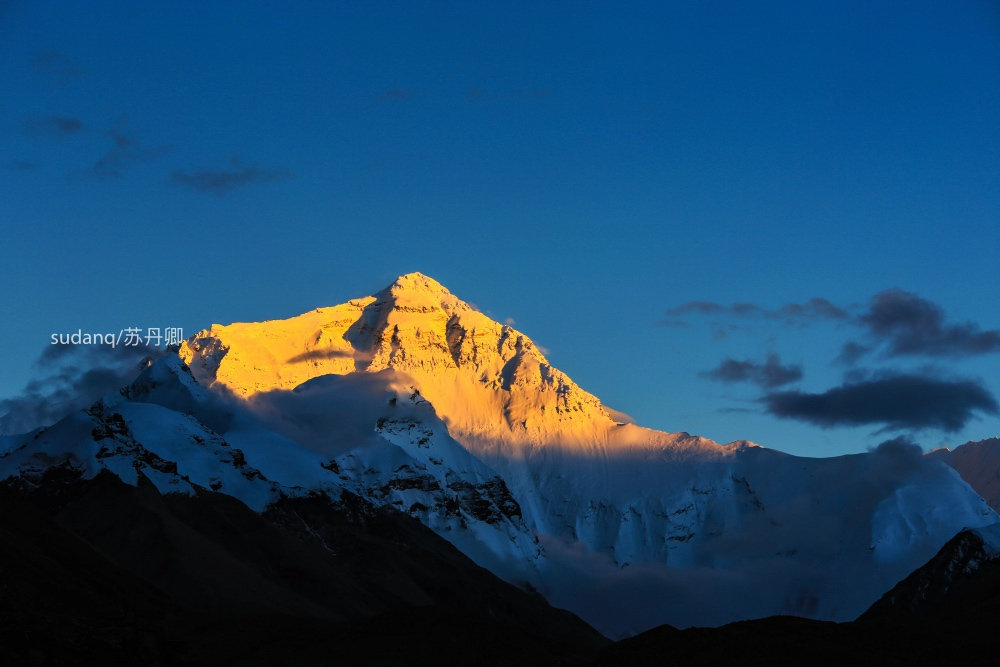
64, 602
98, 568
962, 579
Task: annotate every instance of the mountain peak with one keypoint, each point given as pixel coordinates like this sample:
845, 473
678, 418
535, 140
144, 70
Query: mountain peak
417, 281
485, 378
416, 292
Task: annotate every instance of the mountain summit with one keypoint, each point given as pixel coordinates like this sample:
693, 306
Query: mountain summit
490, 382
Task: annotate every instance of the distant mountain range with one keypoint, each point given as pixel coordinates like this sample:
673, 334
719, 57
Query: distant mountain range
365, 461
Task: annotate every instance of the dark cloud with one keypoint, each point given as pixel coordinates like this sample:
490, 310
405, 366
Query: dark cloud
322, 355
126, 150
55, 66
902, 448
910, 325
71, 377
222, 182
902, 401
851, 352
769, 374
53, 126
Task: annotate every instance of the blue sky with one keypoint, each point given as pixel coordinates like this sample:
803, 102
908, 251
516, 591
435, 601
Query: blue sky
582, 168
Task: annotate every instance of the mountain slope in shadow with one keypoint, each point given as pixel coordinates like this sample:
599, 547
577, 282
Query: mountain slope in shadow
101, 571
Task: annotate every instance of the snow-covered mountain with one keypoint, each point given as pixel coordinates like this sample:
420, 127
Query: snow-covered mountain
979, 464
414, 399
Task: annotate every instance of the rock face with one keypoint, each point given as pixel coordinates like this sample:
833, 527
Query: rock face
413, 400
488, 381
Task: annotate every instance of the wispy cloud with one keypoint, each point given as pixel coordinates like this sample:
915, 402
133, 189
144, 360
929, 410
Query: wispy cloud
71, 377
793, 313
814, 309
126, 150
480, 95
55, 66
53, 126
19, 165
396, 95
904, 401
223, 181
713, 308
769, 374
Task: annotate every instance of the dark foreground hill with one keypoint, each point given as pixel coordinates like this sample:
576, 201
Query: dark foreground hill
99, 571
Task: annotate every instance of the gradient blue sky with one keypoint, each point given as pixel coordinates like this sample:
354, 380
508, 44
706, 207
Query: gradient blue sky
582, 168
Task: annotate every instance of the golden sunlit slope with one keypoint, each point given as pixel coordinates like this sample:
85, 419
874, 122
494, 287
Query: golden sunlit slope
489, 382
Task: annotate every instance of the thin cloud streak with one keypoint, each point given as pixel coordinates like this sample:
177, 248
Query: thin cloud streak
480, 95
222, 182
55, 66
814, 309
19, 165
126, 150
53, 126
396, 95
